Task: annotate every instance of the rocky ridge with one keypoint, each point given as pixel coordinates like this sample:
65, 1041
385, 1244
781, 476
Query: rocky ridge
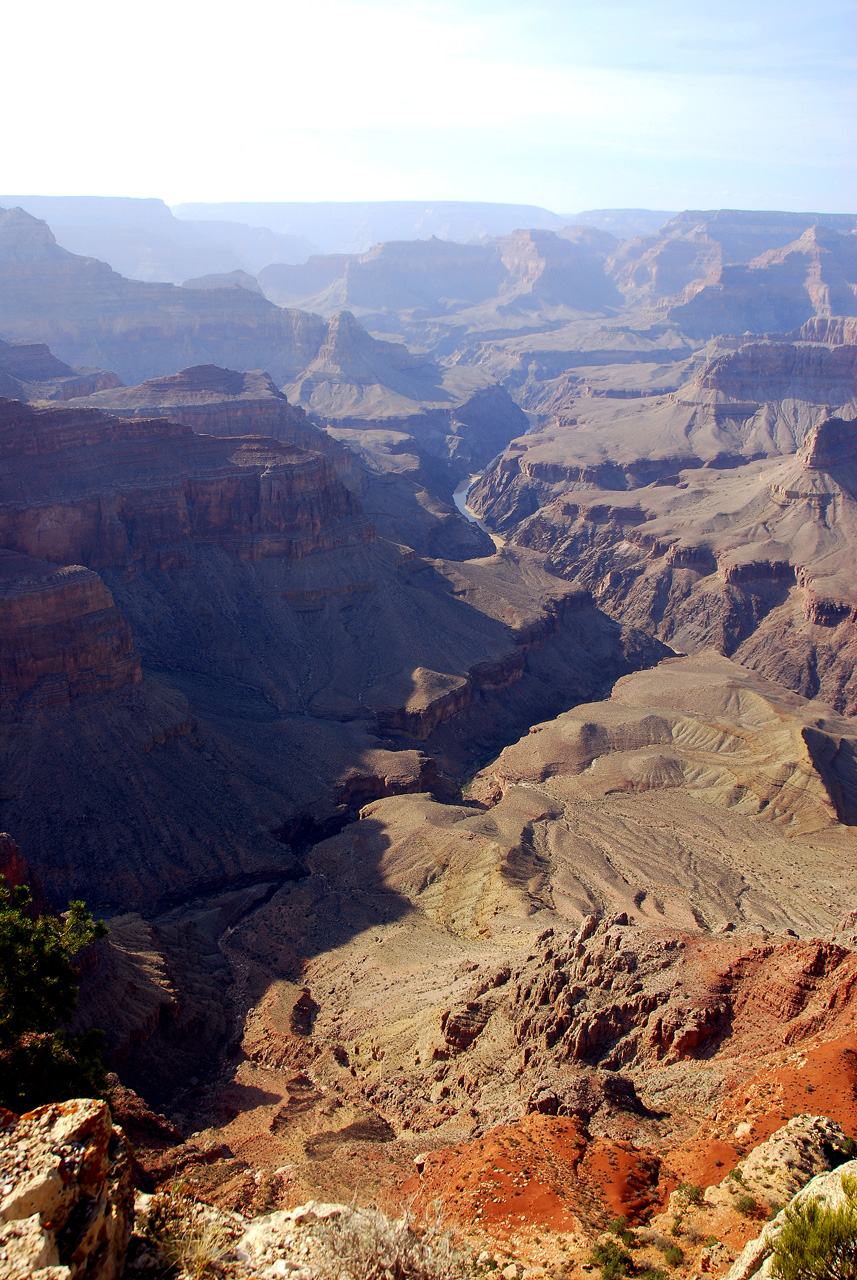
214, 402
89, 315
28, 371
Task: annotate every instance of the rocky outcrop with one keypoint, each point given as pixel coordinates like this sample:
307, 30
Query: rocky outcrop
780, 290
825, 1189
117, 493
763, 372
215, 402
732, 554
67, 1206
776, 1170
61, 635
142, 239
697, 244
224, 280
598, 1001
28, 371
406, 285
391, 277
831, 329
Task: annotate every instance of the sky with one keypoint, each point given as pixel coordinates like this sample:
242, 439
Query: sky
569, 104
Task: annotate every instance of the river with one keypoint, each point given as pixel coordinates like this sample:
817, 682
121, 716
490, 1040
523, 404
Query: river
460, 500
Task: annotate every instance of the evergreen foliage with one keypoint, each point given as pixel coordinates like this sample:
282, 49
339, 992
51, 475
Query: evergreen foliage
38, 990
818, 1243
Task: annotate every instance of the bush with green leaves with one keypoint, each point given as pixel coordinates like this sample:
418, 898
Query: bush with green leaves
817, 1242
619, 1227
674, 1255
613, 1260
747, 1205
38, 990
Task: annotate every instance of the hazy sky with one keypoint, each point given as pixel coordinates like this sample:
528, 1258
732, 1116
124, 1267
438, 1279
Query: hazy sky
572, 104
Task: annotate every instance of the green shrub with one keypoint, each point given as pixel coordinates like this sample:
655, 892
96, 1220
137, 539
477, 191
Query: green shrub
38, 990
623, 1232
674, 1255
817, 1243
691, 1191
652, 1273
747, 1205
613, 1260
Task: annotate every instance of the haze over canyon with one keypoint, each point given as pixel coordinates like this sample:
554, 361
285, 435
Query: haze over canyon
428, 642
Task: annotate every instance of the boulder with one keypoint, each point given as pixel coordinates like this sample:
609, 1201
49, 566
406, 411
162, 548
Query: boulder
66, 1201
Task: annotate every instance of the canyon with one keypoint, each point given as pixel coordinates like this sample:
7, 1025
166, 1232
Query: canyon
435, 662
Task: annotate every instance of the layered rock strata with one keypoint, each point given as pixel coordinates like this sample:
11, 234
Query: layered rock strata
750, 558
61, 636
781, 289
79, 486
28, 371
215, 402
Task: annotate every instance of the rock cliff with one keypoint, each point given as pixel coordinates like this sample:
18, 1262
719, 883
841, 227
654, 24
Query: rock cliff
457, 415
28, 371
103, 491
736, 554
61, 635
410, 286
214, 402
815, 275
697, 244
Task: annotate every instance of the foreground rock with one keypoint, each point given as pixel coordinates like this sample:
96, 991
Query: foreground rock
67, 1204
826, 1189
316, 1240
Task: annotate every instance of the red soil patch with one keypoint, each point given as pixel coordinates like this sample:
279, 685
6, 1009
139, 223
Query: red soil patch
626, 1176
819, 1079
543, 1173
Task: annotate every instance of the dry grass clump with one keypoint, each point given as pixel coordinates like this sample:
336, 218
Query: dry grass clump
366, 1244
187, 1233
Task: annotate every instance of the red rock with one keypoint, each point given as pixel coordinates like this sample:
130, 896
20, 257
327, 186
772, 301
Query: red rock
120, 492
216, 402
60, 633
